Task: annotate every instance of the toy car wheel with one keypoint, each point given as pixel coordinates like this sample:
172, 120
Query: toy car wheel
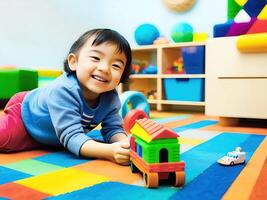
151, 179
232, 163
134, 169
179, 179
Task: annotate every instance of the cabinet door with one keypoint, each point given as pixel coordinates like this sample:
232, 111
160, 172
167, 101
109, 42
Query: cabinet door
244, 98
224, 60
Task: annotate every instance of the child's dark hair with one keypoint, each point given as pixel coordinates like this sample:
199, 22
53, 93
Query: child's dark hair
101, 36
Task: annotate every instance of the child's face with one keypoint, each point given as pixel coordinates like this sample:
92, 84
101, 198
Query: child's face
98, 68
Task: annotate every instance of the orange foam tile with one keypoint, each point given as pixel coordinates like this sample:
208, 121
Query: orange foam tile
242, 187
14, 157
239, 129
112, 170
19, 192
259, 191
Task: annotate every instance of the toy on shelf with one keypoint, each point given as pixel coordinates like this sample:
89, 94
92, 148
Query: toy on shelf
152, 94
182, 32
233, 158
161, 40
177, 67
138, 66
150, 69
155, 152
145, 34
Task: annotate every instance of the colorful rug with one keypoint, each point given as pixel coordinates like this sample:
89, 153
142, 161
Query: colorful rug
57, 174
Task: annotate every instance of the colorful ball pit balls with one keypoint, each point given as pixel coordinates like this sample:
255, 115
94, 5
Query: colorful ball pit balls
145, 34
182, 32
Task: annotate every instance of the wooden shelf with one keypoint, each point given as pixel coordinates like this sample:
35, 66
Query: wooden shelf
161, 56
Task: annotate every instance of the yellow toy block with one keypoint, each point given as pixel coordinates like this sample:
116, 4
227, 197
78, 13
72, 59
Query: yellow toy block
140, 132
263, 13
241, 2
252, 43
200, 37
51, 73
62, 181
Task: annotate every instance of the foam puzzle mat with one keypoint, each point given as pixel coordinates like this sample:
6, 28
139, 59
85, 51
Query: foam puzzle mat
57, 174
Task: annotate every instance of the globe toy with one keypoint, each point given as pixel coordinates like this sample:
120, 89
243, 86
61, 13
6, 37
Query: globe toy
146, 34
182, 32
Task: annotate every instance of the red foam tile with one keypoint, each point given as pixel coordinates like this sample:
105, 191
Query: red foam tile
19, 192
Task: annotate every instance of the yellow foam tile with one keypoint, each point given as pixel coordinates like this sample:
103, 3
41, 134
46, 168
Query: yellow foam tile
110, 169
190, 141
62, 181
263, 13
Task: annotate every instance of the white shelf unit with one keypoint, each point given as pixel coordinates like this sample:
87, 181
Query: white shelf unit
161, 56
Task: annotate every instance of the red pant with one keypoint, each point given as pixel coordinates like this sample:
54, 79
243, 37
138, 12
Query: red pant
13, 136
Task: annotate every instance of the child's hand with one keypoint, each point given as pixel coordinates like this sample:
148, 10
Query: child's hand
121, 152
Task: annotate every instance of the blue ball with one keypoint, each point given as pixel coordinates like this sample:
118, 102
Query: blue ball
182, 32
145, 34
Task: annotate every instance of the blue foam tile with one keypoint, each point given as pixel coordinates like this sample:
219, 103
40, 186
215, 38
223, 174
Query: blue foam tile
171, 119
62, 158
204, 155
216, 179
117, 191
8, 175
95, 134
2, 198
195, 125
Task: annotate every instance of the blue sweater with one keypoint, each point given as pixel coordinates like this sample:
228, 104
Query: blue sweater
59, 115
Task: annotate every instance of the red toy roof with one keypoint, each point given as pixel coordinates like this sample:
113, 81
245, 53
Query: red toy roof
156, 131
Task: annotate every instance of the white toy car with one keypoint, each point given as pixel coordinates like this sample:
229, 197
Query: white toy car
233, 157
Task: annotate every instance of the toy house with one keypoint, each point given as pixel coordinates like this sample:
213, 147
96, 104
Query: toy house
155, 151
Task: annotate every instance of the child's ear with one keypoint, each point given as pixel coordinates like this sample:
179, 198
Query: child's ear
72, 61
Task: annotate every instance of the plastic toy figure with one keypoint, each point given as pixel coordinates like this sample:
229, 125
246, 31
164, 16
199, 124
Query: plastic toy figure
233, 157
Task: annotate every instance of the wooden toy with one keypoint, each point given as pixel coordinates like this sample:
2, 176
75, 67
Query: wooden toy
155, 152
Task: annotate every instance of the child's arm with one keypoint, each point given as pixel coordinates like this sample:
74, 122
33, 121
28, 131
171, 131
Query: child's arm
118, 151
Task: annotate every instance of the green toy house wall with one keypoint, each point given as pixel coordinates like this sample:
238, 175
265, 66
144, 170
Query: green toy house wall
151, 151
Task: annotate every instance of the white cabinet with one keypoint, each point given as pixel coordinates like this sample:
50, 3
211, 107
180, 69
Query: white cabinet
236, 83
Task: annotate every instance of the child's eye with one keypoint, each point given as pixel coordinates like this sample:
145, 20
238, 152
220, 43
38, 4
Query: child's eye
115, 66
94, 58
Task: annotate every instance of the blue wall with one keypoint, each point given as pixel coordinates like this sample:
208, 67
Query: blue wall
40, 32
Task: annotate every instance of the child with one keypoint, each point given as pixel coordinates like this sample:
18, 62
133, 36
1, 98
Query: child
76, 102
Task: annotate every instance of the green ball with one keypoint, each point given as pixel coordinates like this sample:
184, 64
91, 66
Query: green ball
182, 32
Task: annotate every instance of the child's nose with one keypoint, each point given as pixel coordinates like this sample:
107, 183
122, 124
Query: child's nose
104, 67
